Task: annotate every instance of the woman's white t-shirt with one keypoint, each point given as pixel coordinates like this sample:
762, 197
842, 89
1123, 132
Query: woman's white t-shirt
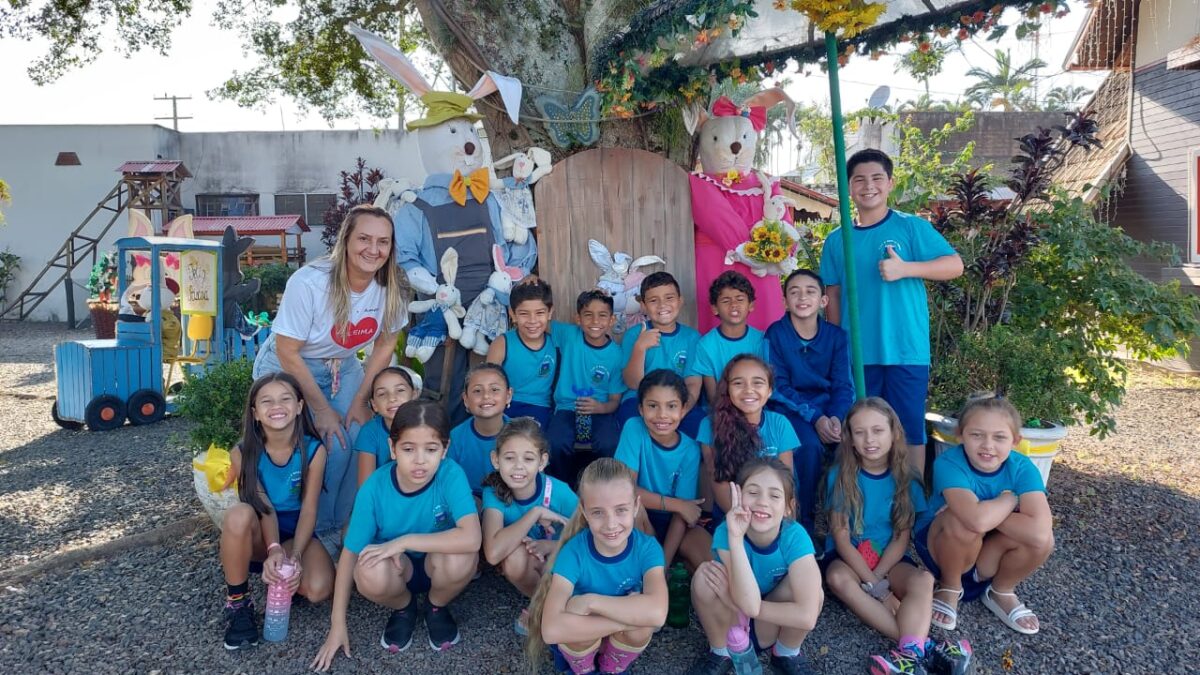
306, 314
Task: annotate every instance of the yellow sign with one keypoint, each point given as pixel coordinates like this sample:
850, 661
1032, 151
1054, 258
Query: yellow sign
198, 292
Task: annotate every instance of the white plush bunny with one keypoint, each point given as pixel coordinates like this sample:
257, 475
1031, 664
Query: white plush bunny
487, 317
775, 209
442, 313
620, 277
517, 215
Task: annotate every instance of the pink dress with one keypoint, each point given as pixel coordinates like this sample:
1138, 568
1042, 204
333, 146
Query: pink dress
723, 216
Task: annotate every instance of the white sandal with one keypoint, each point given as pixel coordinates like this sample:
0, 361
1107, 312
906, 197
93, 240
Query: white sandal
1009, 618
941, 607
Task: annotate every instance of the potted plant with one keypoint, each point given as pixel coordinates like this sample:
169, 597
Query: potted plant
215, 401
1046, 300
102, 287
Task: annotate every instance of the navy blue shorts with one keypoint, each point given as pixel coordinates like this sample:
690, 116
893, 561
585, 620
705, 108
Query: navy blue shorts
540, 413
971, 589
905, 388
287, 524
419, 582
660, 521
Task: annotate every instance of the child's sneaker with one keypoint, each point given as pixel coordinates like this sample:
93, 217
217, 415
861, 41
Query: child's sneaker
950, 658
709, 663
443, 629
896, 663
397, 634
790, 665
242, 630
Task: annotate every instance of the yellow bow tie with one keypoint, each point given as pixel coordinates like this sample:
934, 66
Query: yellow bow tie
478, 181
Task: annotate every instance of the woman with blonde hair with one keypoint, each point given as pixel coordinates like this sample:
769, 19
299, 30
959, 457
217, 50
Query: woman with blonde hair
354, 298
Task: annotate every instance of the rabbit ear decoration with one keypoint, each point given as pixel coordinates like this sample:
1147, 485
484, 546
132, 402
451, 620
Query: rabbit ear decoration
694, 117
647, 260
769, 98
393, 60
509, 88
600, 255
140, 225
543, 161
449, 264
513, 273
505, 161
181, 227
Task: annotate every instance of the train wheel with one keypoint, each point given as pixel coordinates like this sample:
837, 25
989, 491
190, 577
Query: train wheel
105, 413
71, 425
146, 406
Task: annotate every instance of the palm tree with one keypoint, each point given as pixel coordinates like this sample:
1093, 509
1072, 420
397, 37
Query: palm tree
1006, 87
925, 103
1065, 98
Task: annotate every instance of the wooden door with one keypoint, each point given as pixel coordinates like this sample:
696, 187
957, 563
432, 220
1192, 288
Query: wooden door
630, 200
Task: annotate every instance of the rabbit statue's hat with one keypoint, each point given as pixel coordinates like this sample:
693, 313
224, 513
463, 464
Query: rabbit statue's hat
443, 106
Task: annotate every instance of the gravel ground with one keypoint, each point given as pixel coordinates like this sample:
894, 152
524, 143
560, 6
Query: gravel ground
1117, 595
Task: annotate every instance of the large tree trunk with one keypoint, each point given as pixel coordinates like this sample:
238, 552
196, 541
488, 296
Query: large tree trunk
547, 45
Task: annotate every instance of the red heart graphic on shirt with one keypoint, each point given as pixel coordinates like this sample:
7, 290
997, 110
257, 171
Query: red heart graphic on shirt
356, 333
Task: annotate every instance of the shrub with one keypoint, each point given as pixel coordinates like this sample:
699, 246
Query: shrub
215, 402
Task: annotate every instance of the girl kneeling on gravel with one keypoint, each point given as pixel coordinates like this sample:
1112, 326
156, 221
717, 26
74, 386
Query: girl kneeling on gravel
524, 509
988, 526
607, 592
279, 465
873, 498
764, 572
413, 530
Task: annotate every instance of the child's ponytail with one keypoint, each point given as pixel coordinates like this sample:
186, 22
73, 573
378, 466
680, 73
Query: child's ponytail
535, 646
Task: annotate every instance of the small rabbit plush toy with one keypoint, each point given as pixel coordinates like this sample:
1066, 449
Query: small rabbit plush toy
621, 278
442, 313
486, 317
517, 216
775, 210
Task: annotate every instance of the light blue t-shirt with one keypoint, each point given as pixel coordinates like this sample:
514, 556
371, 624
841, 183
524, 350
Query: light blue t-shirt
562, 500
895, 315
472, 451
373, 440
282, 483
952, 469
769, 564
877, 491
382, 511
581, 564
670, 472
674, 351
714, 351
777, 434
531, 372
586, 370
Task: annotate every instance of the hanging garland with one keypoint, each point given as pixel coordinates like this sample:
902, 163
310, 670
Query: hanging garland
639, 69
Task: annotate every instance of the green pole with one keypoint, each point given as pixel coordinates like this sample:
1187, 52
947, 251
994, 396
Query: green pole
850, 286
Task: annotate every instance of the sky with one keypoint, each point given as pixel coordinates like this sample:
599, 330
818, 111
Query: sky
119, 90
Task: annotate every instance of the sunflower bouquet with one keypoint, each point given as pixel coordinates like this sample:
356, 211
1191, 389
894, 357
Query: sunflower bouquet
770, 250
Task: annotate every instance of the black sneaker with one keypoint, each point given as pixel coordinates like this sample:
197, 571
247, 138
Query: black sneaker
790, 665
709, 663
950, 658
397, 634
443, 630
897, 663
243, 629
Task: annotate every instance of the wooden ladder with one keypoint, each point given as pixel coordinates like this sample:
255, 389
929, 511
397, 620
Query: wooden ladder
79, 247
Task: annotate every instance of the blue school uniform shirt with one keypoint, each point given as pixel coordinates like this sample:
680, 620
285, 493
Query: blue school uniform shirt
894, 314
714, 351
531, 372
777, 434
952, 470
812, 377
472, 451
382, 511
373, 440
282, 483
670, 472
586, 370
563, 501
581, 564
769, 564
674, 351
878, 493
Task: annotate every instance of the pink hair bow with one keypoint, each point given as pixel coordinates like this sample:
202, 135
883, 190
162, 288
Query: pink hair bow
724, 107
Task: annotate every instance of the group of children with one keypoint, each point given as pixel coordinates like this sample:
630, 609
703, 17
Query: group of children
707, 449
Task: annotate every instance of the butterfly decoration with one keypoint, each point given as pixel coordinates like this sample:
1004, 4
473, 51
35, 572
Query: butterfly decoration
575, 125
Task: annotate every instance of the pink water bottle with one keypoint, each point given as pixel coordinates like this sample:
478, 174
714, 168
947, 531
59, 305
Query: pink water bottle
279, 605
737, 640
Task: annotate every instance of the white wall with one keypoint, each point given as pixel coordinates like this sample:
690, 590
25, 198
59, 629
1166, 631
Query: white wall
49, 202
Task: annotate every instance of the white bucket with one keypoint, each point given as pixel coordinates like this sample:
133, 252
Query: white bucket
1041, 446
